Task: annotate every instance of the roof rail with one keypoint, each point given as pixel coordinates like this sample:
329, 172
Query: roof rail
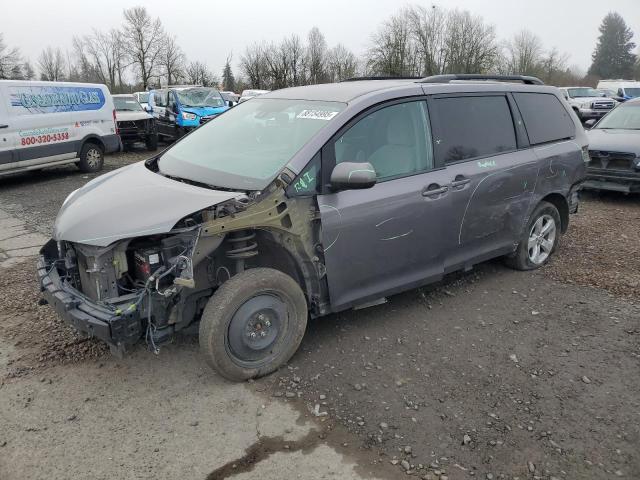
355, 79
476, 76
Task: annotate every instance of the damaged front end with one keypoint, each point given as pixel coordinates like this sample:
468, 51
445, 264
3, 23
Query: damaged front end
152, 286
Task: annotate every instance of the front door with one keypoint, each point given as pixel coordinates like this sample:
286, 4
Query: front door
387, 238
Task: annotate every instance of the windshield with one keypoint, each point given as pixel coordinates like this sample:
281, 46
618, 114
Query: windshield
625, 116
632, 92
126, 104
584, 92
247, 146
143, 97
200, 97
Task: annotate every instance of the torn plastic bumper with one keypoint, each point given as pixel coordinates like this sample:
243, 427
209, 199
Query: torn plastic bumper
116, 325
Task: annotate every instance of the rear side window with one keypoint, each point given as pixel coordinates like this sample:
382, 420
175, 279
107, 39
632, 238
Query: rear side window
544, 117
471, 127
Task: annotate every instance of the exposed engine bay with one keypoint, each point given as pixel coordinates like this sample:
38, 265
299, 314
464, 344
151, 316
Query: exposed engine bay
153, 286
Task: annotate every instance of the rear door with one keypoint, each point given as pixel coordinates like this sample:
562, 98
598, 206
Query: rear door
387, 238
491, 172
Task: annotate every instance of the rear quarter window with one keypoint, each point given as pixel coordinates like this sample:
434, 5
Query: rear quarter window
545, 118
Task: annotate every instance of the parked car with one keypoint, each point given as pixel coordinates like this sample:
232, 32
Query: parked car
605, 92
587, 102
134, 123
231, 98
625, 89
312, 200
614, 150
143, 99
44, 124
249, 94
180, 109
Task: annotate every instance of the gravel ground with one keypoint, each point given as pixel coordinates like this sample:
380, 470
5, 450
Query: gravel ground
495, 373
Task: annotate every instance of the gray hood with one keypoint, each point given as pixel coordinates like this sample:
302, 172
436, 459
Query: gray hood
130, 202
614, 140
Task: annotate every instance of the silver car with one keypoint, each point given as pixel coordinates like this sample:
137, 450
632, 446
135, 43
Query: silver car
312, 200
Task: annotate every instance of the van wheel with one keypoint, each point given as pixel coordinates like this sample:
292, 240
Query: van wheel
253, 324
152, 142
91, 158
539, 240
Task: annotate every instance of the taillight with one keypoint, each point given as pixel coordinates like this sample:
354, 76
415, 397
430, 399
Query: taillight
115, 122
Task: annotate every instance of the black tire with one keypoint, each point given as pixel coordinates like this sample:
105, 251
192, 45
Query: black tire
152, 142
91, 158
260, 300
521, 259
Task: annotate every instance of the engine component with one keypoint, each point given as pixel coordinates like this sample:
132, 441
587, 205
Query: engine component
147, 261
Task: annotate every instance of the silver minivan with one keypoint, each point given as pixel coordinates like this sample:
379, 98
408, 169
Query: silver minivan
312, 200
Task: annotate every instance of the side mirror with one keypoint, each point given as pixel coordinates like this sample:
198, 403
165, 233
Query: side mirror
353, 176
590, 123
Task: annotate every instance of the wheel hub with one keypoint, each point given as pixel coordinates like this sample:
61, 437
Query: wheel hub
256, 327
541, 239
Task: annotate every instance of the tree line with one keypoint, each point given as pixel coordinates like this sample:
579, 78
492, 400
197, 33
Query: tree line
416, 41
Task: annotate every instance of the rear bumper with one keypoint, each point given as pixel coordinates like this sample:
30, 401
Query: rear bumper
113, 324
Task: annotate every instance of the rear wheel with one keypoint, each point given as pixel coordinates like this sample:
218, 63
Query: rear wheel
91, 158
253, 324
540, 239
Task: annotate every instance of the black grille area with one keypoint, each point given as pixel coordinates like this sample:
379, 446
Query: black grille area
611, 160
602, 105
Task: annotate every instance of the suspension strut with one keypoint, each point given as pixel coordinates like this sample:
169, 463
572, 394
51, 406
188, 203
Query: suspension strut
243, 246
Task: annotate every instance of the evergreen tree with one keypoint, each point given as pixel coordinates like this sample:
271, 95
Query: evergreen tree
228, 80
613, 57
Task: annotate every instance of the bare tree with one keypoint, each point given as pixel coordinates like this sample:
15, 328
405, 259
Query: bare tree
294, 54
428, 29
554, 66
51, 64
143, 37
254, 66
9, 59
316, 56
341, 63
197, 73
101, 52
523, 54
393, 52
470, 44
27, 71
172, 59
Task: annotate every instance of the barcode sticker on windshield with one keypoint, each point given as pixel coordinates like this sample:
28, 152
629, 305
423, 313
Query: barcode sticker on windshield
317, 114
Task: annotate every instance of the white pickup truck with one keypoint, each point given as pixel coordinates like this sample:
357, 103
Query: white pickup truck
587, 102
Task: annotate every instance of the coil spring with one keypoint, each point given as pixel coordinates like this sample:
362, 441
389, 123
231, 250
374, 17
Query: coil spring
243, 245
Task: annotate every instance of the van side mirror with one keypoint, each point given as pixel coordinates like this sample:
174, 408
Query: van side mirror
352, 176
590, 123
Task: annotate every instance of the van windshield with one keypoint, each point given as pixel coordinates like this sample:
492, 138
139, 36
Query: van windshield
200, 97
246, 147
632, 92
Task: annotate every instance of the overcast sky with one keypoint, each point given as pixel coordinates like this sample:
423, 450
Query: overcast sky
209, 30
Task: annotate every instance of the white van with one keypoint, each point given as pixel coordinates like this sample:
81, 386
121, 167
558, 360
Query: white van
625, 89
43, 124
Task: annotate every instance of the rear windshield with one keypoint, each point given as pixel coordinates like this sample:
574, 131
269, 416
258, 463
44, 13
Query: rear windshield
246, 147
545, 118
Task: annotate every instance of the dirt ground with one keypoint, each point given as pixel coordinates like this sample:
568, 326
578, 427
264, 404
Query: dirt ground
493, 374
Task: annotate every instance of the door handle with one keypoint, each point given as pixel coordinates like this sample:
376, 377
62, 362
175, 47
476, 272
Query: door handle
434, 190
460, 181
4, 126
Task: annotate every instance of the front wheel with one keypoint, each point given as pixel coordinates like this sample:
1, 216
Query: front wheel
253, 324
540, 239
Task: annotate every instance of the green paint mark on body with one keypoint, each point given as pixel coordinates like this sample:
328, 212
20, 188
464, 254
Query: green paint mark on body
487, 164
